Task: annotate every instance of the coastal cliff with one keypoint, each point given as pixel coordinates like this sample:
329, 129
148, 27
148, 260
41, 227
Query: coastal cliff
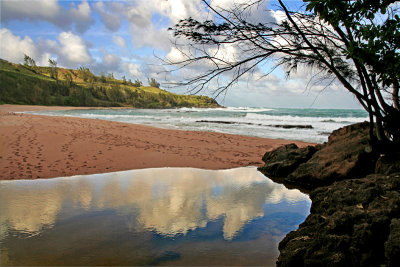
355, 214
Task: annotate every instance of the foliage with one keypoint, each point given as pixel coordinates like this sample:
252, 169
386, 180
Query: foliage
103, 78
137, 83
53, 69
110, 77
355, 43
28, 61
22, 85
153, 83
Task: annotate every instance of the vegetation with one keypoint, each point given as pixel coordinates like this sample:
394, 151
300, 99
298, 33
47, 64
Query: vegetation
354, 43
30, 84
153, 83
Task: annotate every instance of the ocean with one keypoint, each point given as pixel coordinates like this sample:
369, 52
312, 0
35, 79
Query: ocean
310, 125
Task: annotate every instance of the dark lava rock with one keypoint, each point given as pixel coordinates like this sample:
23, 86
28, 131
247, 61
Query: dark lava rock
388, 164
285, 159
352, 223
347, 154
392, 245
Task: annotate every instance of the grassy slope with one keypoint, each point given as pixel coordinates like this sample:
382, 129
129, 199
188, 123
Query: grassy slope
34, 85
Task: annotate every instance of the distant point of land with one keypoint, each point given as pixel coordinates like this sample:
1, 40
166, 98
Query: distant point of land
29, 84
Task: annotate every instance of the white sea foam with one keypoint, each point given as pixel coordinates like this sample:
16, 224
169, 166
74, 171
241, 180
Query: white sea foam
260, 122
300, 119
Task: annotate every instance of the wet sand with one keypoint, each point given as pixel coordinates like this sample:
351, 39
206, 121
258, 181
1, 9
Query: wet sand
33, 146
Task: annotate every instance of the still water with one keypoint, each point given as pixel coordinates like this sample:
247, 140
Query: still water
168, 216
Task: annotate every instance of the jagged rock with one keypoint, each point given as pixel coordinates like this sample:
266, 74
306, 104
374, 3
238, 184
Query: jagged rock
352, 223
347, 154
285, 159
388, 164
392, 245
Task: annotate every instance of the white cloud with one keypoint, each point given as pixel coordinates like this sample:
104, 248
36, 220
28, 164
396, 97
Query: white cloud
81, 16
148, 20
112, 60
181, 9
107, 63
111, 20
255, 12
175, 55
13, 48
50, 11
73, 50
279, 16
133, 69
44, 59
33, 10
118, 40
151, 37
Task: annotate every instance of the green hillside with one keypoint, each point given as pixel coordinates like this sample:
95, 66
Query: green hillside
23, 84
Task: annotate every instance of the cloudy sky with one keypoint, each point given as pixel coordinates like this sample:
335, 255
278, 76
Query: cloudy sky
126, 38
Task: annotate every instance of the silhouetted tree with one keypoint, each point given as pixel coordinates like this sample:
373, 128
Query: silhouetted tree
353, 42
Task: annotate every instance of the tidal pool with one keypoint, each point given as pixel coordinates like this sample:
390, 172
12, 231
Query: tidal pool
167, 216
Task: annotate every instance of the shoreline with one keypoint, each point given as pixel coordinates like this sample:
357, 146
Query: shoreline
36, 146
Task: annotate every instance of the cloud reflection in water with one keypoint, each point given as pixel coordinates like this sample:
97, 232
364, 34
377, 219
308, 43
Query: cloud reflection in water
169, 201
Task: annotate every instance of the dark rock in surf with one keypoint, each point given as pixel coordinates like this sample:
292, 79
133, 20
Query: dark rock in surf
289, 126
284, 126
220, 122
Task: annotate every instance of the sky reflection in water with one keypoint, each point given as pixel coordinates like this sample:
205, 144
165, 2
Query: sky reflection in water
173, 216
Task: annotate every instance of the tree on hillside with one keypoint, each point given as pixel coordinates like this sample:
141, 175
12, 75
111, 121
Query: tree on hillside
137, 83
53, 68
103, 77
355, 43
153, 83
110, 77
28, 61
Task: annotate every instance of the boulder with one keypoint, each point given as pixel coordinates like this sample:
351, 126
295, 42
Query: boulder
285, 159
347, 154
351, 223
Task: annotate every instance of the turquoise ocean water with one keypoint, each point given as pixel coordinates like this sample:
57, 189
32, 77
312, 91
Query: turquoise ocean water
311, 125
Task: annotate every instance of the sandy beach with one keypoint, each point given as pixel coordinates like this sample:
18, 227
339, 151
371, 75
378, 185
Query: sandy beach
33, 146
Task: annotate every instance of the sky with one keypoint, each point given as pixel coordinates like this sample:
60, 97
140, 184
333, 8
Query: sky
130, 38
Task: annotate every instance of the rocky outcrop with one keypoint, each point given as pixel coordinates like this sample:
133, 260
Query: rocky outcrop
352, 223
346, 154
285, 159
